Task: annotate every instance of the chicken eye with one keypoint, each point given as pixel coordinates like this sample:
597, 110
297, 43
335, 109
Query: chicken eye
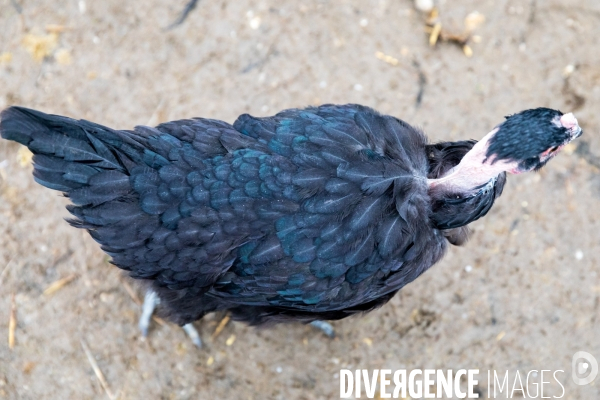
553, 149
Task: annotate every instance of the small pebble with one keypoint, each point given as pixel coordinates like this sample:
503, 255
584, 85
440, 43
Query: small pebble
569, 69
474, 20
468, 268
255, 23
468, 51
230, 340
106, 297
364, 22
579, 255
424, 5
279, 370
358, 87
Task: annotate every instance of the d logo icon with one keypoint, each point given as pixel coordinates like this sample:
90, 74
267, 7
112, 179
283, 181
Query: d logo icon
584, 368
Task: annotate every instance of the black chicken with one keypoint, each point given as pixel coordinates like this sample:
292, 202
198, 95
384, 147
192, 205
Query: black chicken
309, 215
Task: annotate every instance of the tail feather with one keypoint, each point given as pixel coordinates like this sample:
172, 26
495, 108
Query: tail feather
21, 124
87, 161
51, 172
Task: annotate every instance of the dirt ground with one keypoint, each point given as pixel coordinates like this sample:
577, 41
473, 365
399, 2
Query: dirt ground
523, 294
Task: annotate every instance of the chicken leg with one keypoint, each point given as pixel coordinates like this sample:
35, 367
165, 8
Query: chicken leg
151, 300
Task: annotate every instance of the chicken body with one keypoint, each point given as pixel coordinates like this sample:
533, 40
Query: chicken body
312, 214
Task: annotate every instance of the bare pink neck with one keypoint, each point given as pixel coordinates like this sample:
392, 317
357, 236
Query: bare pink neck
475, 169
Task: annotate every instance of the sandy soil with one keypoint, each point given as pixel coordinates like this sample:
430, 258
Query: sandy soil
523, 294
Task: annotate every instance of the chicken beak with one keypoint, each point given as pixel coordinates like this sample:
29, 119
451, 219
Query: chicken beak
570, 122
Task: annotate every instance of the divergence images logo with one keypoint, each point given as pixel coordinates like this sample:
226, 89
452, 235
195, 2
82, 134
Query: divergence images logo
584, 368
